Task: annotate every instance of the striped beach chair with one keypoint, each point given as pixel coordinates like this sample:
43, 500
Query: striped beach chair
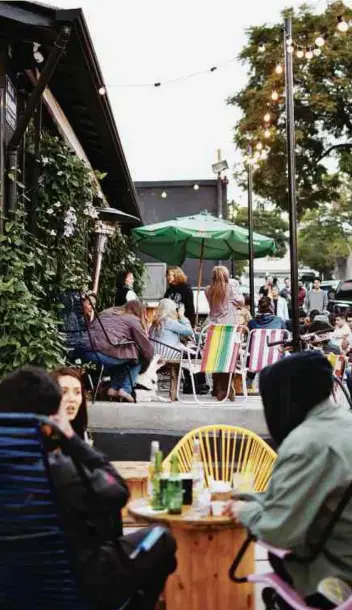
222, 353
259, 354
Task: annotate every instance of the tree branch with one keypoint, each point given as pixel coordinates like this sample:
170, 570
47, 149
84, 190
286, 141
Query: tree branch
329, 150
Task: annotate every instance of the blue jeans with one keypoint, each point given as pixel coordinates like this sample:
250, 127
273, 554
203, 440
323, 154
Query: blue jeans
120, 379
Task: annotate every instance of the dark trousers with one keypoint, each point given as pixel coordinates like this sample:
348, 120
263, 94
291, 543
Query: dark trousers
316, 600
111, 578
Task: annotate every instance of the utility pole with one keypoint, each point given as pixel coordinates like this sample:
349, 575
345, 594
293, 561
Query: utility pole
219, 187
291, 174
250, 231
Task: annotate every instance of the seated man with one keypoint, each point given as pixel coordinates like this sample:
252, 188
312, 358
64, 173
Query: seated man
342, 330
310, 477
92, 517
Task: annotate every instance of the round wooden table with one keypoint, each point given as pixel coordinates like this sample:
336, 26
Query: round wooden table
206, 548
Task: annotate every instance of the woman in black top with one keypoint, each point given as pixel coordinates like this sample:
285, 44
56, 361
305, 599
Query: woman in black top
124, 289
180, 292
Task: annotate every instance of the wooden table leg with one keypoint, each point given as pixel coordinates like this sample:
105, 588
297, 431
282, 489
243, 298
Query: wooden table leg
201, 581
174, 370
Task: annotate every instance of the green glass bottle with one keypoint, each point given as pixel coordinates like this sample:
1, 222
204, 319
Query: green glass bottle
174, 489
157, 498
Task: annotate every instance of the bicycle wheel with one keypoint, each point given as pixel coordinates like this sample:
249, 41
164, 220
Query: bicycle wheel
340, 394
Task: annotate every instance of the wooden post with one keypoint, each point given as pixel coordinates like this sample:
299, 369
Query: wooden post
200, 276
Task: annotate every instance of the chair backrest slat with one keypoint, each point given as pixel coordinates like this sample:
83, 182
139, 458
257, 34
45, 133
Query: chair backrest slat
35, 568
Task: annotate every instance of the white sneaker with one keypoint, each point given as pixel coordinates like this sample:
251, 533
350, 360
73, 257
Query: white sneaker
335, 590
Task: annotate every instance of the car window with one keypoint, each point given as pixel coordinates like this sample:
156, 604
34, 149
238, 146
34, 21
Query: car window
345, 291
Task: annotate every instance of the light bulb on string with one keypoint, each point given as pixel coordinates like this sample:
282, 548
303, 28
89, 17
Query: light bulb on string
261, 48
259, 146
290, 48
102, 91
267, 133
342, 26
317, 52
274, 96
300, 53
289, 42
267, 117
309, 54
320, 41
279, 69
164, 194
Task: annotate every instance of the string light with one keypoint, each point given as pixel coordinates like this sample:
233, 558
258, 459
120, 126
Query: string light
290, 48
267, 117
317, 52
320, 41
300, 53
196, 187
279, 69
274, 96
102, 91
267, 133
259, 146
261, 48
342, 26
289, 42
164, 194
309, 54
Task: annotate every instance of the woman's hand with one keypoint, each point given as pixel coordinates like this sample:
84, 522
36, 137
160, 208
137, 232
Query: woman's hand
62, 422
234, 508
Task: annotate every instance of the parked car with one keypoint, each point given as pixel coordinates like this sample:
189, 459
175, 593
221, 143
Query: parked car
330, 286
342, 300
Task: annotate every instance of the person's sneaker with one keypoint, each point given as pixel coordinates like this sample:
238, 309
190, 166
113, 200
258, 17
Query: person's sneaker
269, 597
335, 590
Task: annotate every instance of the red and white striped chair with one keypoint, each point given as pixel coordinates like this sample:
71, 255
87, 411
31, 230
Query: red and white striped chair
258, 353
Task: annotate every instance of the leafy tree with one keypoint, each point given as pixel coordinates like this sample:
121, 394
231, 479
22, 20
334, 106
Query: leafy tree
266, 222
324, 238
323, 108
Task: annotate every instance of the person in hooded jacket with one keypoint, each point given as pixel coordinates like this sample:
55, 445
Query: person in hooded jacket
266, 318
311, 476
91, 509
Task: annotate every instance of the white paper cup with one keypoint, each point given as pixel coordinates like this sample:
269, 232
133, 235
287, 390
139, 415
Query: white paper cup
217, 508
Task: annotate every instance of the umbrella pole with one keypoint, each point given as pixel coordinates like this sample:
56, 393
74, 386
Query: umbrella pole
200, 275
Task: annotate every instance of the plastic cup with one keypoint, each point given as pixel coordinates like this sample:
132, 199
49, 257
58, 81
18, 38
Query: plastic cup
217, 508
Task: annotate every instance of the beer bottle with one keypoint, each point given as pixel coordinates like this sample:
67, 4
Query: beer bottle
174, 489
154, 447
157, 490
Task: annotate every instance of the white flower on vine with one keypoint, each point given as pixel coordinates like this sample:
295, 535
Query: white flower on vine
53, 233
50, 211
45, 160
57, 204
60, 173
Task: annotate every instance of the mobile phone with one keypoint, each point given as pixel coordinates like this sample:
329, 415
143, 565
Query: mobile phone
148, 542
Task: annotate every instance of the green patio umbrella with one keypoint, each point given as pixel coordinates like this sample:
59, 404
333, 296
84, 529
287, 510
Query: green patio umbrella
202, 236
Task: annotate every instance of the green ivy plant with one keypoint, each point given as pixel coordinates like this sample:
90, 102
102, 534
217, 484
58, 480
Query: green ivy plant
29, 333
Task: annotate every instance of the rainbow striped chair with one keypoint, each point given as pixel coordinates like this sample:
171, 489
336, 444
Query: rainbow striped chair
222, 353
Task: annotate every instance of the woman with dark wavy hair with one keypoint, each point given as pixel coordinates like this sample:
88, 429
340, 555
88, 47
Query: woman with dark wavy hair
73, 399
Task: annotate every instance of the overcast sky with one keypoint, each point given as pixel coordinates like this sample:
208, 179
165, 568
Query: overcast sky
173, 132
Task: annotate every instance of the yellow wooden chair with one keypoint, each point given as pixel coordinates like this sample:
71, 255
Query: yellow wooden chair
226, 450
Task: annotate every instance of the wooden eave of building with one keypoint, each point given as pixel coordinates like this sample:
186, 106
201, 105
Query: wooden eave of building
75, 85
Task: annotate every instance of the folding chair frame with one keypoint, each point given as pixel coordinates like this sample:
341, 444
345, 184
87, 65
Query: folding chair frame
192, 363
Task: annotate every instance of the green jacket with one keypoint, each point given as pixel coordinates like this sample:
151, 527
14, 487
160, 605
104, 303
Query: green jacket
313, 469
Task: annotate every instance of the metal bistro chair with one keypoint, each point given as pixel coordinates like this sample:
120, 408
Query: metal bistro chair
35, 564
222, 353
226, 450
342, 591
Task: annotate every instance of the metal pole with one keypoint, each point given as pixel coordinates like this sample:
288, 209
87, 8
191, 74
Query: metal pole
101, 243
291, 175
250, 232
